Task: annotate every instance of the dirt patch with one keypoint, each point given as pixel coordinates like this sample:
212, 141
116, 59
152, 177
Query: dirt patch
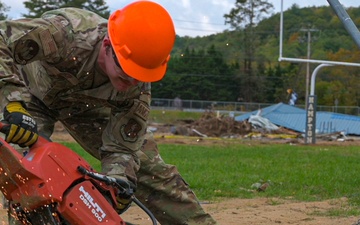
274, 211
256, 212
264, 211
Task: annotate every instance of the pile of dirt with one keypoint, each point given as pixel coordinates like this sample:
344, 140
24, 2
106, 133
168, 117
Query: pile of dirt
211, 124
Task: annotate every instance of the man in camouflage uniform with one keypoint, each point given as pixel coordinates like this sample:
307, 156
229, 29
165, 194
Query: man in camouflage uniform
70, 66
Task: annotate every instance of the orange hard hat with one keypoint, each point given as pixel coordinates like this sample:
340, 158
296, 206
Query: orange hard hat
142, 35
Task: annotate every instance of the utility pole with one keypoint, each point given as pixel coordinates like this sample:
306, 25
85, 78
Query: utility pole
307, 81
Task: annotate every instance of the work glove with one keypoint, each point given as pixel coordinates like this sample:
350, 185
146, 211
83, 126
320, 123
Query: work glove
22, 129
125, 195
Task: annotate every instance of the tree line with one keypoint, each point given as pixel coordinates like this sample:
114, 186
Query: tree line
254, 73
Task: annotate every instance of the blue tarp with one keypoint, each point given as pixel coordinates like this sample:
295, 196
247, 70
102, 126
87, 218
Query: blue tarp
294, 118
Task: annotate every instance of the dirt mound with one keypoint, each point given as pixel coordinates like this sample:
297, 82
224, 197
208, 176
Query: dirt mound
212, 124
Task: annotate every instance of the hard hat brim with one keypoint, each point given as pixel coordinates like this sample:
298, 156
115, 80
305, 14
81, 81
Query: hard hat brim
140, 73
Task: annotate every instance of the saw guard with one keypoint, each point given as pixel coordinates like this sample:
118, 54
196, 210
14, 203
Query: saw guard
30, 180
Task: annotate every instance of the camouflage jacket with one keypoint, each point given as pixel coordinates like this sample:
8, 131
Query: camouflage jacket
55, 59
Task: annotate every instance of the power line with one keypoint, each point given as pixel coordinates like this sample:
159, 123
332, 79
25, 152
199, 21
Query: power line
197, 22
197, 29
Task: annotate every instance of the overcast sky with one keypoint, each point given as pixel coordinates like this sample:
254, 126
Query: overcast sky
193, 17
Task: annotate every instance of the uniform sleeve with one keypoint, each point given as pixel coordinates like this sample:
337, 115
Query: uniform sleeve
127, 129
51, 38
125, 133
22, 42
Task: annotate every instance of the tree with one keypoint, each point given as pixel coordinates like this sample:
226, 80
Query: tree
97, 6
38, 7
198, 75
3, 8
244, 17
247, 13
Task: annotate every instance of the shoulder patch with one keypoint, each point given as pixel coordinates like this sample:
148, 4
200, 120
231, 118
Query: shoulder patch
25, 50
130, 131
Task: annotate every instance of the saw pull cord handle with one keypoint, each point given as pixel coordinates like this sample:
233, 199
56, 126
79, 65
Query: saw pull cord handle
122, 185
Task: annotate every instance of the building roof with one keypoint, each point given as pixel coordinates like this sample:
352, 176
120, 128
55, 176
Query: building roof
294, 118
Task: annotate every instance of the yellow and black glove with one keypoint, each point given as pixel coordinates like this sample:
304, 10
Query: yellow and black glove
22, 128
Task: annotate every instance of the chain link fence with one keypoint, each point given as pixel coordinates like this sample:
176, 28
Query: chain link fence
238, 107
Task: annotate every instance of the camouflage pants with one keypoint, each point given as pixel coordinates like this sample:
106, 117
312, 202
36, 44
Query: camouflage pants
160, 187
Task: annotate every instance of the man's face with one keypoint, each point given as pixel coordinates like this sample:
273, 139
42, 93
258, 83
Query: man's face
119, 79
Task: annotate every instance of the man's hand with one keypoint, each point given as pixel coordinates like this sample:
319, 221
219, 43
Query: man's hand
124, 197
22, 129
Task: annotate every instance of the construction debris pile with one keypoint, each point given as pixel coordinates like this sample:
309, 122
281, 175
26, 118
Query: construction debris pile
213, 125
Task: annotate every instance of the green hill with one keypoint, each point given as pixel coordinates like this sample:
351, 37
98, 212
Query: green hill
230, 66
